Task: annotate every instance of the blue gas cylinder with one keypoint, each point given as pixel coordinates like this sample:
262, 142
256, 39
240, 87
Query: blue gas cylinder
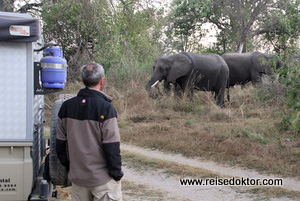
54, 68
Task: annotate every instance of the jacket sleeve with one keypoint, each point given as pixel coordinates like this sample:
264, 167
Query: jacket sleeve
61, 150
61, 143
111, 145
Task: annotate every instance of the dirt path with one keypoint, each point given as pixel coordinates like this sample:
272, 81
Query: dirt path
170, 184
171, 187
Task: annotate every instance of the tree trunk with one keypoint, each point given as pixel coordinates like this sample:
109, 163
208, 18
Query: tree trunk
240, 47
241, 42
7, 5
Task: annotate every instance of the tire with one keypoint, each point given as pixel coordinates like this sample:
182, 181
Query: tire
58, 172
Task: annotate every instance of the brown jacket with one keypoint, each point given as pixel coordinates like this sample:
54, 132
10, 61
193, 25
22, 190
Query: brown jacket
88, 139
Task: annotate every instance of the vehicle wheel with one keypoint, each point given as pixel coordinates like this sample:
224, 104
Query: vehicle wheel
58, 172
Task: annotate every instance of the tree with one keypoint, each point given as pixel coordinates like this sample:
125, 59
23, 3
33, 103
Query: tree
113, 33
239, 16
25, 6
136, 32
138, 26
79, 26
237, 21
7, 5
33, 8
280, 26
183, 24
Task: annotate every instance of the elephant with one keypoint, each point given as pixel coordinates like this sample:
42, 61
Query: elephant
246, 67
189, 71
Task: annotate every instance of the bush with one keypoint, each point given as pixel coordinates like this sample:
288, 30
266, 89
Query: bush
291, 78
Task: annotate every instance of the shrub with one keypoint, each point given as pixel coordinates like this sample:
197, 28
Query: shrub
291, 78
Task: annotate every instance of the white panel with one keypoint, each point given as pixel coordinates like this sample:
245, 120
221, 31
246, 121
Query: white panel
13, 86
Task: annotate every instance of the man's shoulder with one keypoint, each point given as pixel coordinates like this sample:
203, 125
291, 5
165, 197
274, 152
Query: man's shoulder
69, 101
107, 108
95, 105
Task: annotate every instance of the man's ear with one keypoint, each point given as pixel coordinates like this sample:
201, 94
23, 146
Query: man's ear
102, 82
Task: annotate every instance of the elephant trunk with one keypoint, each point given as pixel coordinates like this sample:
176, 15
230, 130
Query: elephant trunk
149, 86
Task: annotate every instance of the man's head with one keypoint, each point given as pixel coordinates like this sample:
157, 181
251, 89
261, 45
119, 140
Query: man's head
92, 74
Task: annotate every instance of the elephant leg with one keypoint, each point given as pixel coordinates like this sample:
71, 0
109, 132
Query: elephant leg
167, 88
177, 90
256, 77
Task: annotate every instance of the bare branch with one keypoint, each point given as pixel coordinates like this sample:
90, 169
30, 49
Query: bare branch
31, 6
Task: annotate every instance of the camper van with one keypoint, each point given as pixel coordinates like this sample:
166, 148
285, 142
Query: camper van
29, 69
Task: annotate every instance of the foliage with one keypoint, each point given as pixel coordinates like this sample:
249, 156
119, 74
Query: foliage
25, 6
116, 34
78, 26
7, 5
136, 30
281, 25
184, 25
233, 18
237, 21
281, 28
291, 78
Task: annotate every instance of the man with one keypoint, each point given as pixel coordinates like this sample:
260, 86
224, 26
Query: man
88, 140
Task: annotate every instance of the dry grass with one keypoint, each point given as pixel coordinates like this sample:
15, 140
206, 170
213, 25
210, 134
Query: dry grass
144, 163
271, 192
245, 133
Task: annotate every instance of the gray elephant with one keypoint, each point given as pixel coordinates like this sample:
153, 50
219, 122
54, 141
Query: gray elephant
189, 71
249, 67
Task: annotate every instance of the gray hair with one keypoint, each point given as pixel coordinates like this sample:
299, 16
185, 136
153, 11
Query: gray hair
91, 74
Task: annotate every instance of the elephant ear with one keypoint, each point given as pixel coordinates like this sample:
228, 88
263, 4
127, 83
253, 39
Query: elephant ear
181, 65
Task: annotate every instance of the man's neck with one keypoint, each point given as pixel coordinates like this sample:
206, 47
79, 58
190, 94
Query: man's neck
95, 88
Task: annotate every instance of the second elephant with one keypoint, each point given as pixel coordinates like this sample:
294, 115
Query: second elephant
249, 67
189, 71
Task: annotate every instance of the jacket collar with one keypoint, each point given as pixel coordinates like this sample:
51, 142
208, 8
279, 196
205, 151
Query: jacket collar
92, 92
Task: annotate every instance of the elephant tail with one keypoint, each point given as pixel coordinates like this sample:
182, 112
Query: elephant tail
228, 86
228, 95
